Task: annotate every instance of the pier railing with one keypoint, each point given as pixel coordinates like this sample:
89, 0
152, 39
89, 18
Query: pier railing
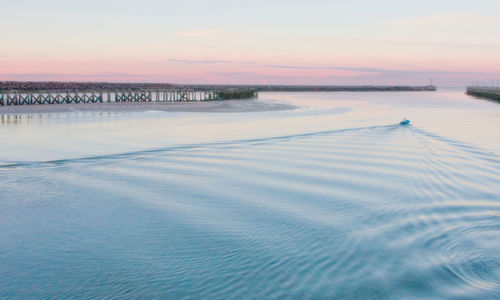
15, 97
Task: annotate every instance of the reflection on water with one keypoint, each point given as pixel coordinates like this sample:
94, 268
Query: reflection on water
315, 203
39, 118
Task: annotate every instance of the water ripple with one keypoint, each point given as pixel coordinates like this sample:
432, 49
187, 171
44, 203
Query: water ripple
387, 211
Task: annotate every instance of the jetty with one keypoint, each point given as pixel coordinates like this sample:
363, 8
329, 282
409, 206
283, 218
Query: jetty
328, 88
492, 93
104, 86
61, 96
28, 93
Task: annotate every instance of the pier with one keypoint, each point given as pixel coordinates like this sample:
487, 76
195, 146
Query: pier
31, 97
484, 92
28, 93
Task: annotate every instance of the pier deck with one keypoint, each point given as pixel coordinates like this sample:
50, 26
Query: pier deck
16, 97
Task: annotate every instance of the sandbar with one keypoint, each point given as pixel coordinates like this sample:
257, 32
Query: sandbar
250, 105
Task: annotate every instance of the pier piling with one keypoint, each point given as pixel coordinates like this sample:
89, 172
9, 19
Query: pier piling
15, 97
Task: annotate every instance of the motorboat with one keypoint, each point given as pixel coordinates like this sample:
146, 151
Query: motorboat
404, 122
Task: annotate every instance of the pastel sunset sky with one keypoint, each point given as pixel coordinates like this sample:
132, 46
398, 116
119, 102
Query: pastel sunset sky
252, 42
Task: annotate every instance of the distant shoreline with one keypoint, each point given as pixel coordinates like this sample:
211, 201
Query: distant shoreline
223, 106
82, 86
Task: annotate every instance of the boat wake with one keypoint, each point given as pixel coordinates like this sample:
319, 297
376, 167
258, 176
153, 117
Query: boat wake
148, 153
388, 211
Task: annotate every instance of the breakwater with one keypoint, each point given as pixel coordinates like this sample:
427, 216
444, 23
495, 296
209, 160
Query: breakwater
29, 97
327, 88
484, 92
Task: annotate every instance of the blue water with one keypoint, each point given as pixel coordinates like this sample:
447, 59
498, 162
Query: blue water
331, 200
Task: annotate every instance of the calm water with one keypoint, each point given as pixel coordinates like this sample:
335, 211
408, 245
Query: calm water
331, 200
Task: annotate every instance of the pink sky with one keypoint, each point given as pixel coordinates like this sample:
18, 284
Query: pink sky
406, 45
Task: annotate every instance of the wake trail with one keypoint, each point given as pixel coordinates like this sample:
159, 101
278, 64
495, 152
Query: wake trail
147, 153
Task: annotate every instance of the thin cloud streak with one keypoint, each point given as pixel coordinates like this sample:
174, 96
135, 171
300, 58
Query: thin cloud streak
434, 44
339, 68
201, 33
207, 61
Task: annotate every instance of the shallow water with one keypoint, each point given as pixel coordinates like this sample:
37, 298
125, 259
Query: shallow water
332, 200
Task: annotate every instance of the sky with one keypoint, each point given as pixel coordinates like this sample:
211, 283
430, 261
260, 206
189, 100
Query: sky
332, 42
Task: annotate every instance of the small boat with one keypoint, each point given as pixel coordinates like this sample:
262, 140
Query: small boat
404, 122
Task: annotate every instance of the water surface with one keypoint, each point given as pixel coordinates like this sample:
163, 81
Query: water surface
331, 200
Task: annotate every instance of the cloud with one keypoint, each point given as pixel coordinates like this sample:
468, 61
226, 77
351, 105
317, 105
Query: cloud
448, 29
275, 74
288, 67
296, 67
104, 76
452, 20
291, 67
351, 71
431, 43
206, 61
203, 33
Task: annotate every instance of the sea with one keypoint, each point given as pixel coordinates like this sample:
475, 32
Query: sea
331, 200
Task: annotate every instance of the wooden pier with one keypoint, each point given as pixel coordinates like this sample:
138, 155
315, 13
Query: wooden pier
484, 92
15, 97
